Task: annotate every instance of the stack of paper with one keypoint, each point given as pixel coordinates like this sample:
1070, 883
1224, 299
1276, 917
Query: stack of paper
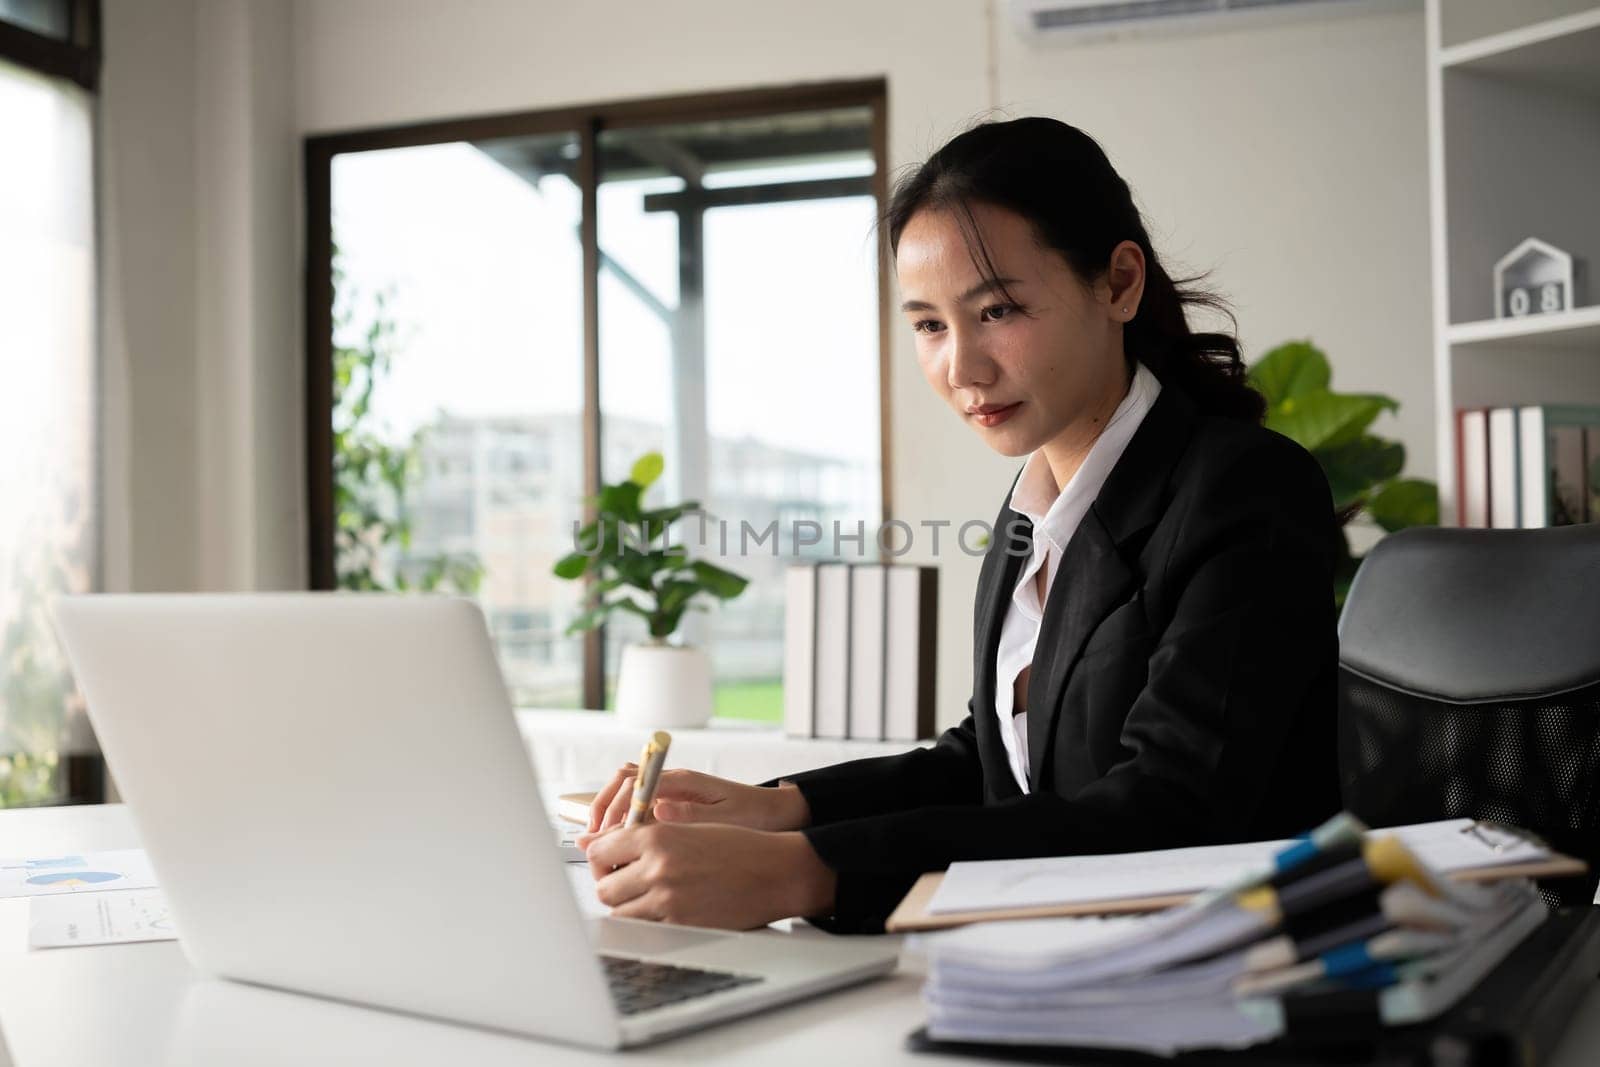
1338, 915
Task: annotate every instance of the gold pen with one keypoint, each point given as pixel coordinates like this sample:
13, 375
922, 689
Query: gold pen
651, 761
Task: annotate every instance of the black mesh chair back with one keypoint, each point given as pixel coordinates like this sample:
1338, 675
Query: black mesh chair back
1469, 685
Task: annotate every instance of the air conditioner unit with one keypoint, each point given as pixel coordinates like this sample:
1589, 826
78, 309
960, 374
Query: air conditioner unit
1085, 21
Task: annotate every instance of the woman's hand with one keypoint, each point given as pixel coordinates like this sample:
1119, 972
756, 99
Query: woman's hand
689, 796
727, 877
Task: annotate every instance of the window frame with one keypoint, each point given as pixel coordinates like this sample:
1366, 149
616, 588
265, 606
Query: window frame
77, 58
586, 122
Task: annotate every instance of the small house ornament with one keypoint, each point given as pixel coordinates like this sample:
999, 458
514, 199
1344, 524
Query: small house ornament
1534, 278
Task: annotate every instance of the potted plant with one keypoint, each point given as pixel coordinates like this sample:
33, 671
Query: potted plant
1363, 469
661, 683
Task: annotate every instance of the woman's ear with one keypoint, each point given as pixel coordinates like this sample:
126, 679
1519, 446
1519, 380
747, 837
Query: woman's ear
1125, 277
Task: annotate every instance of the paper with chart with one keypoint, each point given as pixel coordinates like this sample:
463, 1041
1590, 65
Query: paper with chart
76, 873
99, 919
993, 885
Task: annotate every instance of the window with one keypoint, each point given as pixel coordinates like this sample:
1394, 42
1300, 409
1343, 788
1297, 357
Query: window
741, 253
49, 493
517, 308
457, 344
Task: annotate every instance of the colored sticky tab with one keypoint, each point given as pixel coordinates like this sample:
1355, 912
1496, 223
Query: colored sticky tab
1323, 859
1342, 829
1303, 849
1262, 900
1390, 862
1347, 960
1377, 976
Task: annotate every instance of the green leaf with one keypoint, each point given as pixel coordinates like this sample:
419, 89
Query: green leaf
1405, 502
629, 604
674, 593
718, 582
647, 469
1290, 370
571, 566
1321, 419
676, 510
621, 500
637, 569
1354, 468
663, 624
587, 621
660, 518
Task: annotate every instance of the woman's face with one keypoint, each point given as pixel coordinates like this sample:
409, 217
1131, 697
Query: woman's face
1019, 380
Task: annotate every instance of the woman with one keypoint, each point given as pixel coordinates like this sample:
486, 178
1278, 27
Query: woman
1155, 635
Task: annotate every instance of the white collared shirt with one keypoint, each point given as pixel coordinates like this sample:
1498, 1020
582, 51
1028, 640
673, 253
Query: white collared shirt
1055, 516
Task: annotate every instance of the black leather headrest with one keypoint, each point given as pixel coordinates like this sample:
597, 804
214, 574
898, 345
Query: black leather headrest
1477, 615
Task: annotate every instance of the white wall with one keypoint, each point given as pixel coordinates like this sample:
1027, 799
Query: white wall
1292, 159
146, 176
249, 432
199, 201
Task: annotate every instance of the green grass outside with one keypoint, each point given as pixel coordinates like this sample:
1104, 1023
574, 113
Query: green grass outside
751, 701
756, 701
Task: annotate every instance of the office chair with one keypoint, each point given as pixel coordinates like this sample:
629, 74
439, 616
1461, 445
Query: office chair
1469, 686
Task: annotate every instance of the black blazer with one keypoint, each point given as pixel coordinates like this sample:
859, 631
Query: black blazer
1181, 691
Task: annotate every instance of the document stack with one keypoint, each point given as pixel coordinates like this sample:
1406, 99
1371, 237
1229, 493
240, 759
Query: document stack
1345, 930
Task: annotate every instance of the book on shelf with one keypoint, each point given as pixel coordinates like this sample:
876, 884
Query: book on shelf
799, 648
868, 627
860, 647
910, 652
1473, 463
1526, 467
1503, 469
832, 719
1560, 450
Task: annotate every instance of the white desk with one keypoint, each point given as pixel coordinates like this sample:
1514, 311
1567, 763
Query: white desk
142, 1005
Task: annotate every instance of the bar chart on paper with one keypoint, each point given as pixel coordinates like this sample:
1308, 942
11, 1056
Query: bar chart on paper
86, 872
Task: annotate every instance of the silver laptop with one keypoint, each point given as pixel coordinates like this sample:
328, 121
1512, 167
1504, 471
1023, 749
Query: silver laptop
336, 800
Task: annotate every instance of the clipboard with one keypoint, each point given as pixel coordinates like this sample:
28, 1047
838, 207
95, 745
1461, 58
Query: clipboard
912, 914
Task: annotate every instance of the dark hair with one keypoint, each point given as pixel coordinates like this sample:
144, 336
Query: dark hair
1059, 179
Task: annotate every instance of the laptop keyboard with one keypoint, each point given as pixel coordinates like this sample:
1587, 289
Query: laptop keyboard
639, 985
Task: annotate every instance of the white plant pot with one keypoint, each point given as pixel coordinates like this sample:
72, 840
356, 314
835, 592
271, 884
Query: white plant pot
663, 686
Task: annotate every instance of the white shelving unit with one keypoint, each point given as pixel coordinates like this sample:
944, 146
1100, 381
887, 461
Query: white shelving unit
1514, 152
